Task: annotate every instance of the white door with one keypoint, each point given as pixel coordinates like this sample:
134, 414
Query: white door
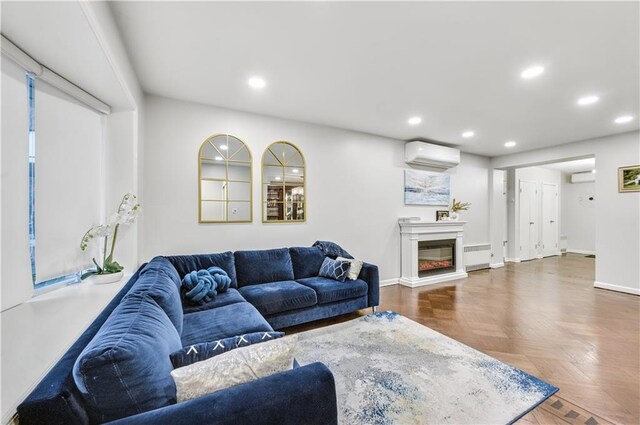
528, 225
549, 219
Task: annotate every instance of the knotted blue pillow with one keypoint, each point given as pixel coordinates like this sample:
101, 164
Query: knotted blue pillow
200, 287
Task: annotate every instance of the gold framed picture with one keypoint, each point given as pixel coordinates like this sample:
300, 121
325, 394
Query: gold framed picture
442, 215
629, 179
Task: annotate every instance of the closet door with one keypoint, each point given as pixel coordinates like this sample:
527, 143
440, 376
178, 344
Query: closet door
528, 225
549, 219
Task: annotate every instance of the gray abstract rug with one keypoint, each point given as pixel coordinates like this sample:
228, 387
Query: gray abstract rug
392, 370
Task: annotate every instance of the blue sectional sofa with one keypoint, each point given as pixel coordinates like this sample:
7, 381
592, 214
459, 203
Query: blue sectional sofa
118, 371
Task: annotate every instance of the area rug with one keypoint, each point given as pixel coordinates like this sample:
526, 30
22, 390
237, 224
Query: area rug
392, 370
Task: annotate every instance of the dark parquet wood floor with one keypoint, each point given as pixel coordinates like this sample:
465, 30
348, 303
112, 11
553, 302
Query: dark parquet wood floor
544, 317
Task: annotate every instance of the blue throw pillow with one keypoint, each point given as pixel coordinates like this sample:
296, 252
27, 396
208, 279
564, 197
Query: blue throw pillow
205, 350
202, 286
335, 269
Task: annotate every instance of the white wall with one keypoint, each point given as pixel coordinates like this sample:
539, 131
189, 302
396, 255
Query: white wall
578, 221
617, 215
354, 187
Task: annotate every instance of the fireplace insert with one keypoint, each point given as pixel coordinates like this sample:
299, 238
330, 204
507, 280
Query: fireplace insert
436, 257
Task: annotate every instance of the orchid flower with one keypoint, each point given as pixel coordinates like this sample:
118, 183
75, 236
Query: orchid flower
127, 213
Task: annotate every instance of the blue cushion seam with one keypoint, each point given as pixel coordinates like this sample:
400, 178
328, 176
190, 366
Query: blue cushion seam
301, 298
122, 382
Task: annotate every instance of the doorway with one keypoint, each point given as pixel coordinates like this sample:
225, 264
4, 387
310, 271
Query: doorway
528, 220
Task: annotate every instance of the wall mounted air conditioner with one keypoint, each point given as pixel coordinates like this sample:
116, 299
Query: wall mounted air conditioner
583, 177
429, 155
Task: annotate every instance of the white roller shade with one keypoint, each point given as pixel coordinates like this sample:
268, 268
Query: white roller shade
69, 183
17, 283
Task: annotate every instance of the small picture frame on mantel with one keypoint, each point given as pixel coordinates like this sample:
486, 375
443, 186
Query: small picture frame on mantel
442, 215
629, 179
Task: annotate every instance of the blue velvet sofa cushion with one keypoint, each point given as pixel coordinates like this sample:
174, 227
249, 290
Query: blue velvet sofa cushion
222, 322
270, 265
126, 368
329, 290
160, 281
276, 297
232, 296
335, 269
205, 350
302, 396
306, 261
56, 399
188, 263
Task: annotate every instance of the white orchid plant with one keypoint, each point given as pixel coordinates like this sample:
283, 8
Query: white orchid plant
126, 214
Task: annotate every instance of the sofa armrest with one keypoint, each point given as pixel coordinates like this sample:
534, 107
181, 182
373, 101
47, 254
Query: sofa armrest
303, 395
369, 274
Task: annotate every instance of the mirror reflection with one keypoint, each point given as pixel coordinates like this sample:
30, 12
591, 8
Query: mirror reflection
283, 183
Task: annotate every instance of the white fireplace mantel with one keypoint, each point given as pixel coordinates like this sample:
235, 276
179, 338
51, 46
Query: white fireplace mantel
414, 230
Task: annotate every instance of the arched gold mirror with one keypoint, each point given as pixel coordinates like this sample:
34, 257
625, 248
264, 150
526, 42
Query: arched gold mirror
283, 184
224, 180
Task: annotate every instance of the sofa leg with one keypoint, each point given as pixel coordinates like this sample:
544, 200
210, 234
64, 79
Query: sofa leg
374, 309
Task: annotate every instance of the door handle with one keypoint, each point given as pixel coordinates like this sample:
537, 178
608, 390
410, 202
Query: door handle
531, 222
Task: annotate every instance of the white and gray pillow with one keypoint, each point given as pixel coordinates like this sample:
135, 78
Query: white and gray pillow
234, 367
354, 269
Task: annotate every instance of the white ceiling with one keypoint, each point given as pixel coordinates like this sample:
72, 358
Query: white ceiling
576, 166
371, 66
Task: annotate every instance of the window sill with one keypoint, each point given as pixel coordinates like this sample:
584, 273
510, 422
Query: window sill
37, 333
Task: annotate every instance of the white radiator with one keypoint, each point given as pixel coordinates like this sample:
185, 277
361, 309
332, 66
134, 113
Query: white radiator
477, 257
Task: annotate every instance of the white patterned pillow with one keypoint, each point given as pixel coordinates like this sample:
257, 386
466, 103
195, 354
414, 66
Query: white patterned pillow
234, 367
334, 269
354, 270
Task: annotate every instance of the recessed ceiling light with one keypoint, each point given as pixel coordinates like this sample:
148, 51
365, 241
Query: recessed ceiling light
593, 171
278, 178
414, 120
588, 100
468, 134
257, 82
295, 170
223, 147
624, 119
532, 72
218, 158
510, 144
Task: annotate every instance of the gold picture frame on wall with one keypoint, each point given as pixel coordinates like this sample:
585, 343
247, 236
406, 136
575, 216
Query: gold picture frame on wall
225, 180
283, 185
629, 179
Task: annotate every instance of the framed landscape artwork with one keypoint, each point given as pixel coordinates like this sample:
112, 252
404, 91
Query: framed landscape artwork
426, 188
629, 179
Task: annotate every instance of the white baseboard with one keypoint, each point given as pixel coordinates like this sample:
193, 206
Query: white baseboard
512, 260
580, 251
389, 282
496, 265
617, 288
432, 280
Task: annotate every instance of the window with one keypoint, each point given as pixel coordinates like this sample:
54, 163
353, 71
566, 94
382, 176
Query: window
67, 183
